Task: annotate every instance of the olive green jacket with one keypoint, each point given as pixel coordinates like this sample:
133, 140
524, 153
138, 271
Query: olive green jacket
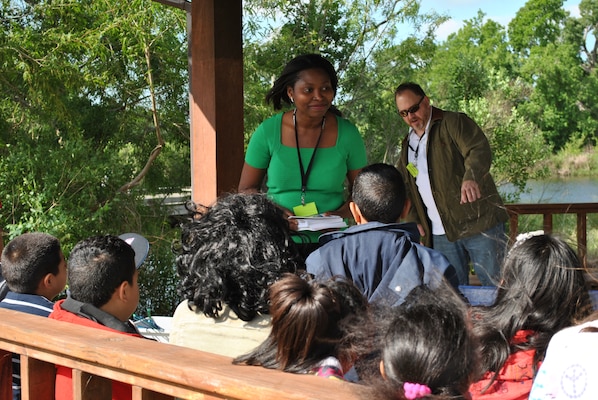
457, 150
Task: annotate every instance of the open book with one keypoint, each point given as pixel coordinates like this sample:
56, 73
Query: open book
319, 222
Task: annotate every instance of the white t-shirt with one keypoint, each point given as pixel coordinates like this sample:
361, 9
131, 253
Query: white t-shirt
570, 368
227, 335
417, 155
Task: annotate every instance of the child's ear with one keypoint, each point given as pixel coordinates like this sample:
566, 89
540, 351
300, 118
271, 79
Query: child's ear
122, 291
406, 208
382, 369
47, 286
356, 212
48, 280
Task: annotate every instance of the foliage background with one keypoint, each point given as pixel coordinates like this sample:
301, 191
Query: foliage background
95, 92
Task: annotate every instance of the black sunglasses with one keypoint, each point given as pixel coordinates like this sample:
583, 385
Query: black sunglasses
411, 110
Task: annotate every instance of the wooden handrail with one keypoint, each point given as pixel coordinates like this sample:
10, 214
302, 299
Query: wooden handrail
157, 371
547, 211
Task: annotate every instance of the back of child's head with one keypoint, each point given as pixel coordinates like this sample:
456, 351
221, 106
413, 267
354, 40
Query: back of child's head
28, 258
379, 192
351, 300
97, 266
354, 313
305, 318
428, 350
311, 321
232, 252
540, 273
543, 290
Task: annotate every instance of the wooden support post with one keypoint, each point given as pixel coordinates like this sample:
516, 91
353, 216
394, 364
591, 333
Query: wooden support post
216, 102
38, 379
513, 227
5, 375
90, 387
547, 223
582, 239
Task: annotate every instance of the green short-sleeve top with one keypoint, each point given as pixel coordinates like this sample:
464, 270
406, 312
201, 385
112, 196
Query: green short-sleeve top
328, 172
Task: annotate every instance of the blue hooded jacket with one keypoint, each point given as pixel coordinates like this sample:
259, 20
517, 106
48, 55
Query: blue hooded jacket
384, 260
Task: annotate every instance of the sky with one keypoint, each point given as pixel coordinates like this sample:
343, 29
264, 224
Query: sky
501, 11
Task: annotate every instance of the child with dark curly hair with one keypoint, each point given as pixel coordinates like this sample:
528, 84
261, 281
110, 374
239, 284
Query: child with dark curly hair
228, 256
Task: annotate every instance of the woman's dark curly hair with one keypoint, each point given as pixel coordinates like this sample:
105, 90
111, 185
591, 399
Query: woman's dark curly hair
232, 252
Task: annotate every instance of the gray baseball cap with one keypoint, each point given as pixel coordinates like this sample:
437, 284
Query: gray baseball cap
139, 244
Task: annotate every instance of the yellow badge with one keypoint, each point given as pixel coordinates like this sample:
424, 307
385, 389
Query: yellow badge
306, 210
412, 170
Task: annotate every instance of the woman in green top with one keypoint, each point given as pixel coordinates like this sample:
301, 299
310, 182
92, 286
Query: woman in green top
309, 151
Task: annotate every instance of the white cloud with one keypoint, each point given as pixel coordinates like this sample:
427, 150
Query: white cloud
450, 26
573, 10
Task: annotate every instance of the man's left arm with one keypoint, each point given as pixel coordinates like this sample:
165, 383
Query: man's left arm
477, 157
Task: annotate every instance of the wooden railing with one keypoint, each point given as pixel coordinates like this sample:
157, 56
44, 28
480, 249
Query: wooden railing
548, 211
156, 371
159, 371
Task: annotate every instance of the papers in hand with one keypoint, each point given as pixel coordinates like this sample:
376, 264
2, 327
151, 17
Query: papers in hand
319, 222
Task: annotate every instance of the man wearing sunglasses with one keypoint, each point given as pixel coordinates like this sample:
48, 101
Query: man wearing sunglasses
445, 160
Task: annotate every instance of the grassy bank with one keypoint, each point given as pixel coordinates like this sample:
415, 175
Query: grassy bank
573, 161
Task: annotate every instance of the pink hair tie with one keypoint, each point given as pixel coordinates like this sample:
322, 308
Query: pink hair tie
415, 390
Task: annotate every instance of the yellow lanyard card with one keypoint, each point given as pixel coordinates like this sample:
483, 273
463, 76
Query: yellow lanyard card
305, 210
412, 170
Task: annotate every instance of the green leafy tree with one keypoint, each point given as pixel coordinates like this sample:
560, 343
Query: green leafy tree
93, 117
558, 56
464, 63
361, 38
518, 147
537, 23
554, 105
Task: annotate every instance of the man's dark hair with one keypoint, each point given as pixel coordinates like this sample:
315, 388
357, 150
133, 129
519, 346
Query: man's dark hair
379, 192
28, 258
411, 86
97, 266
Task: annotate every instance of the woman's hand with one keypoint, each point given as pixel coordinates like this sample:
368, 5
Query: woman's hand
293, 223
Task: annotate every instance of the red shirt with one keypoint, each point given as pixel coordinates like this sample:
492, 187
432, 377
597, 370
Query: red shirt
515, 378
64, 384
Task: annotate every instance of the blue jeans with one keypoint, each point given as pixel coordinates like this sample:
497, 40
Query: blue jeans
485, 250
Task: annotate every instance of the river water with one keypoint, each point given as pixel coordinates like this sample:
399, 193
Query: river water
570, 190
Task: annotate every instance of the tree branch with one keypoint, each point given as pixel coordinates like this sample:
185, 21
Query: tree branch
158, 149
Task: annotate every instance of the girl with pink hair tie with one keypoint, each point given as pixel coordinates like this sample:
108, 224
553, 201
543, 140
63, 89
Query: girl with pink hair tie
428, 351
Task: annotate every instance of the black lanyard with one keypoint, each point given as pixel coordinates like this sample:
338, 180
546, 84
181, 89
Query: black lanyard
304, 173
416, 150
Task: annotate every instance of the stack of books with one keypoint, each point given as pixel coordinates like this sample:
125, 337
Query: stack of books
319, 222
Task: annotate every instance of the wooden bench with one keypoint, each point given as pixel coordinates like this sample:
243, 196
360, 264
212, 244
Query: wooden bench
156, 371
